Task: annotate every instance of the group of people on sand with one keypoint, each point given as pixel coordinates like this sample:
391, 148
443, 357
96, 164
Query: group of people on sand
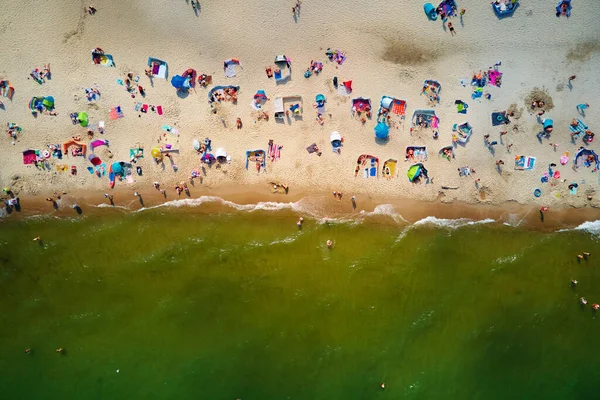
227, 94
41, 76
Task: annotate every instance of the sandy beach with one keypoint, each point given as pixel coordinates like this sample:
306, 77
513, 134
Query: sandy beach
390, 49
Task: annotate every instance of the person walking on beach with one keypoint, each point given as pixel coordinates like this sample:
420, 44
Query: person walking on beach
451, 27
353, 200
571, 78
582, 107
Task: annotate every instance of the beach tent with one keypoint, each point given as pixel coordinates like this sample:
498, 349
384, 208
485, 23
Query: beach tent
382, 131
295, 107
82, 118
221, 155
229, 67
336, 140
424, 119
586, 158
430, 11
257, 156
393, 105
159, 68
415, 171
463, 131
283, 70
505, 10
320, 100
389, 168
432, 89
360, 104
564, 8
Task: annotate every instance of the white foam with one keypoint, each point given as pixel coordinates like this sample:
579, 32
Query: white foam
451, 223
106, 205
588, 226
506, 260
263, 205
385, 210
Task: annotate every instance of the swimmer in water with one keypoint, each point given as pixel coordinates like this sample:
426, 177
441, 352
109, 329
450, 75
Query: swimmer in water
585, 254
329, 243
37, 239
382, 385
580, 256
595, 306
574, 282
299, 223
583, 301
60, 350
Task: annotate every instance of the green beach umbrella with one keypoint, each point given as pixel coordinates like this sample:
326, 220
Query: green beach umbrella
48, 102
413, 172
82, 118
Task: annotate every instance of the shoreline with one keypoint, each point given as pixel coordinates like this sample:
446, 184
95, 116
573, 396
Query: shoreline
315, 205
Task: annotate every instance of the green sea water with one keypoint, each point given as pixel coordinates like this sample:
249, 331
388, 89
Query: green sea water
169, 304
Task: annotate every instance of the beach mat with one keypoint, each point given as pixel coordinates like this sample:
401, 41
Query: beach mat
312, 148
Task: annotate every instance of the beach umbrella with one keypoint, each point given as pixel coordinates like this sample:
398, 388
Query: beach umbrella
196, 145
117, 168
156, 153
208, 158
95, 160
82, 118
48, 102
179, 82
413, 172
382, 131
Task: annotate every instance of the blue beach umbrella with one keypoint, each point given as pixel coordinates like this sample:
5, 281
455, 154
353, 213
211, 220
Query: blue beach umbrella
382, 131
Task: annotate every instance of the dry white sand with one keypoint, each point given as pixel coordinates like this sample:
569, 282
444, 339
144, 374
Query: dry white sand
391, 48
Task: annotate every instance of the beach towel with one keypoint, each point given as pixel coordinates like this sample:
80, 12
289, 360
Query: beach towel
136, 152
499, 118
97, 143
159, 110
170, 129
312, 148
138, 106
101, 170
116, 113
30, 157
274, 151
229, 67
524, 163
495, 78
580, 128
461, 106
399, 107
